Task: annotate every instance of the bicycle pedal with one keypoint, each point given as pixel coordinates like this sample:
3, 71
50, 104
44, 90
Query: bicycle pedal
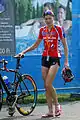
11, 111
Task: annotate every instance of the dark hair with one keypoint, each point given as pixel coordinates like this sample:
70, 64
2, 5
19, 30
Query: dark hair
61, 6
49, 5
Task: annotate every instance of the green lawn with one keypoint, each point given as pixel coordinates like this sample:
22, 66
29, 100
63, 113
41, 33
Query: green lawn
61, 98
42, 98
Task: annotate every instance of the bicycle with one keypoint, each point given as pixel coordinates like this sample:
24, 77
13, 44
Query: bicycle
23, 95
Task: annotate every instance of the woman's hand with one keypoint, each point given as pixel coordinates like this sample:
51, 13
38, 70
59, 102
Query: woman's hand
66, 63
19, 55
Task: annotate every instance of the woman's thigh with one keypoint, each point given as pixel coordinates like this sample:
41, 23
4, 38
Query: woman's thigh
44, 72
51, 74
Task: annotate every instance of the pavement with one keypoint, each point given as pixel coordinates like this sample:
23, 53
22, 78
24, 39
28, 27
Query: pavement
71, 111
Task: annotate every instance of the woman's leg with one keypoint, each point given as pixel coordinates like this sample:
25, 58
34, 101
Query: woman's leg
44, 75
44, 72
50, 91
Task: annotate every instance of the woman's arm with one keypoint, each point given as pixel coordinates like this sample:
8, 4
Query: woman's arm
65, 51
32, 47
35, 45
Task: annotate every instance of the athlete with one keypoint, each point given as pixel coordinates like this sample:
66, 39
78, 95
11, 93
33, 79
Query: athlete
50, 59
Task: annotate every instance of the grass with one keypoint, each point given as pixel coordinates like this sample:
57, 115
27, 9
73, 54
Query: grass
42, 98
61, 98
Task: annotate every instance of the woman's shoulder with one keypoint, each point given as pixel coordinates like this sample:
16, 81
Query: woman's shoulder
57, 26
43, 28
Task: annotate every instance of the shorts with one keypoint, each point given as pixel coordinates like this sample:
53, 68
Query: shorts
51, 61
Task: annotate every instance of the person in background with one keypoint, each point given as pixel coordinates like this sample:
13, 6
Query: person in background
66, 26
61, 16
48, 6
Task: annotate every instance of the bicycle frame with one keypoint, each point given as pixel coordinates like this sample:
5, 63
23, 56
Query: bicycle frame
16, 71
17, 75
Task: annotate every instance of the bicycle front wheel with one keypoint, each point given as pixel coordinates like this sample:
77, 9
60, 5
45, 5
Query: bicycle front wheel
27, 95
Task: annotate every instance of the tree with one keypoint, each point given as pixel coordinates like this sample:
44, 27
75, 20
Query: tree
37, 11
41, 11
29, 10
16, 12
21, 11
56, 8
33, 13
68, 12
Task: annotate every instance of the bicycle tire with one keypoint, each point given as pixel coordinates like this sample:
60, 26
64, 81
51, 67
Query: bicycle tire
27, 95
1, 96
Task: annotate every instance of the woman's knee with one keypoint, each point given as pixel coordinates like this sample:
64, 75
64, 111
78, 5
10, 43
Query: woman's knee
48, 86
44, 76
54, 89
44, 73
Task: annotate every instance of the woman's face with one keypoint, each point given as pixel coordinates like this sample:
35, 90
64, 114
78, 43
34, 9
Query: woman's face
61, 14
49, 19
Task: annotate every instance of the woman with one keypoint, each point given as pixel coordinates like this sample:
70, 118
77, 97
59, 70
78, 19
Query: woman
50, 59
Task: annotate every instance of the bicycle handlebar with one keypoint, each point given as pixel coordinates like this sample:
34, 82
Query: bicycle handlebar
18, 61
4, 62
19, 57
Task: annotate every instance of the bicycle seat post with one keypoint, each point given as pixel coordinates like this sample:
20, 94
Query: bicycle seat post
18, 63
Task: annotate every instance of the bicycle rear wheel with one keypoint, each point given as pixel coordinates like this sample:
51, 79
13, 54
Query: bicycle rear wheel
27, 95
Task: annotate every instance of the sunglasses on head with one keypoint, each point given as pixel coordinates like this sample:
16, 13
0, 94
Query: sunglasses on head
48, 13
